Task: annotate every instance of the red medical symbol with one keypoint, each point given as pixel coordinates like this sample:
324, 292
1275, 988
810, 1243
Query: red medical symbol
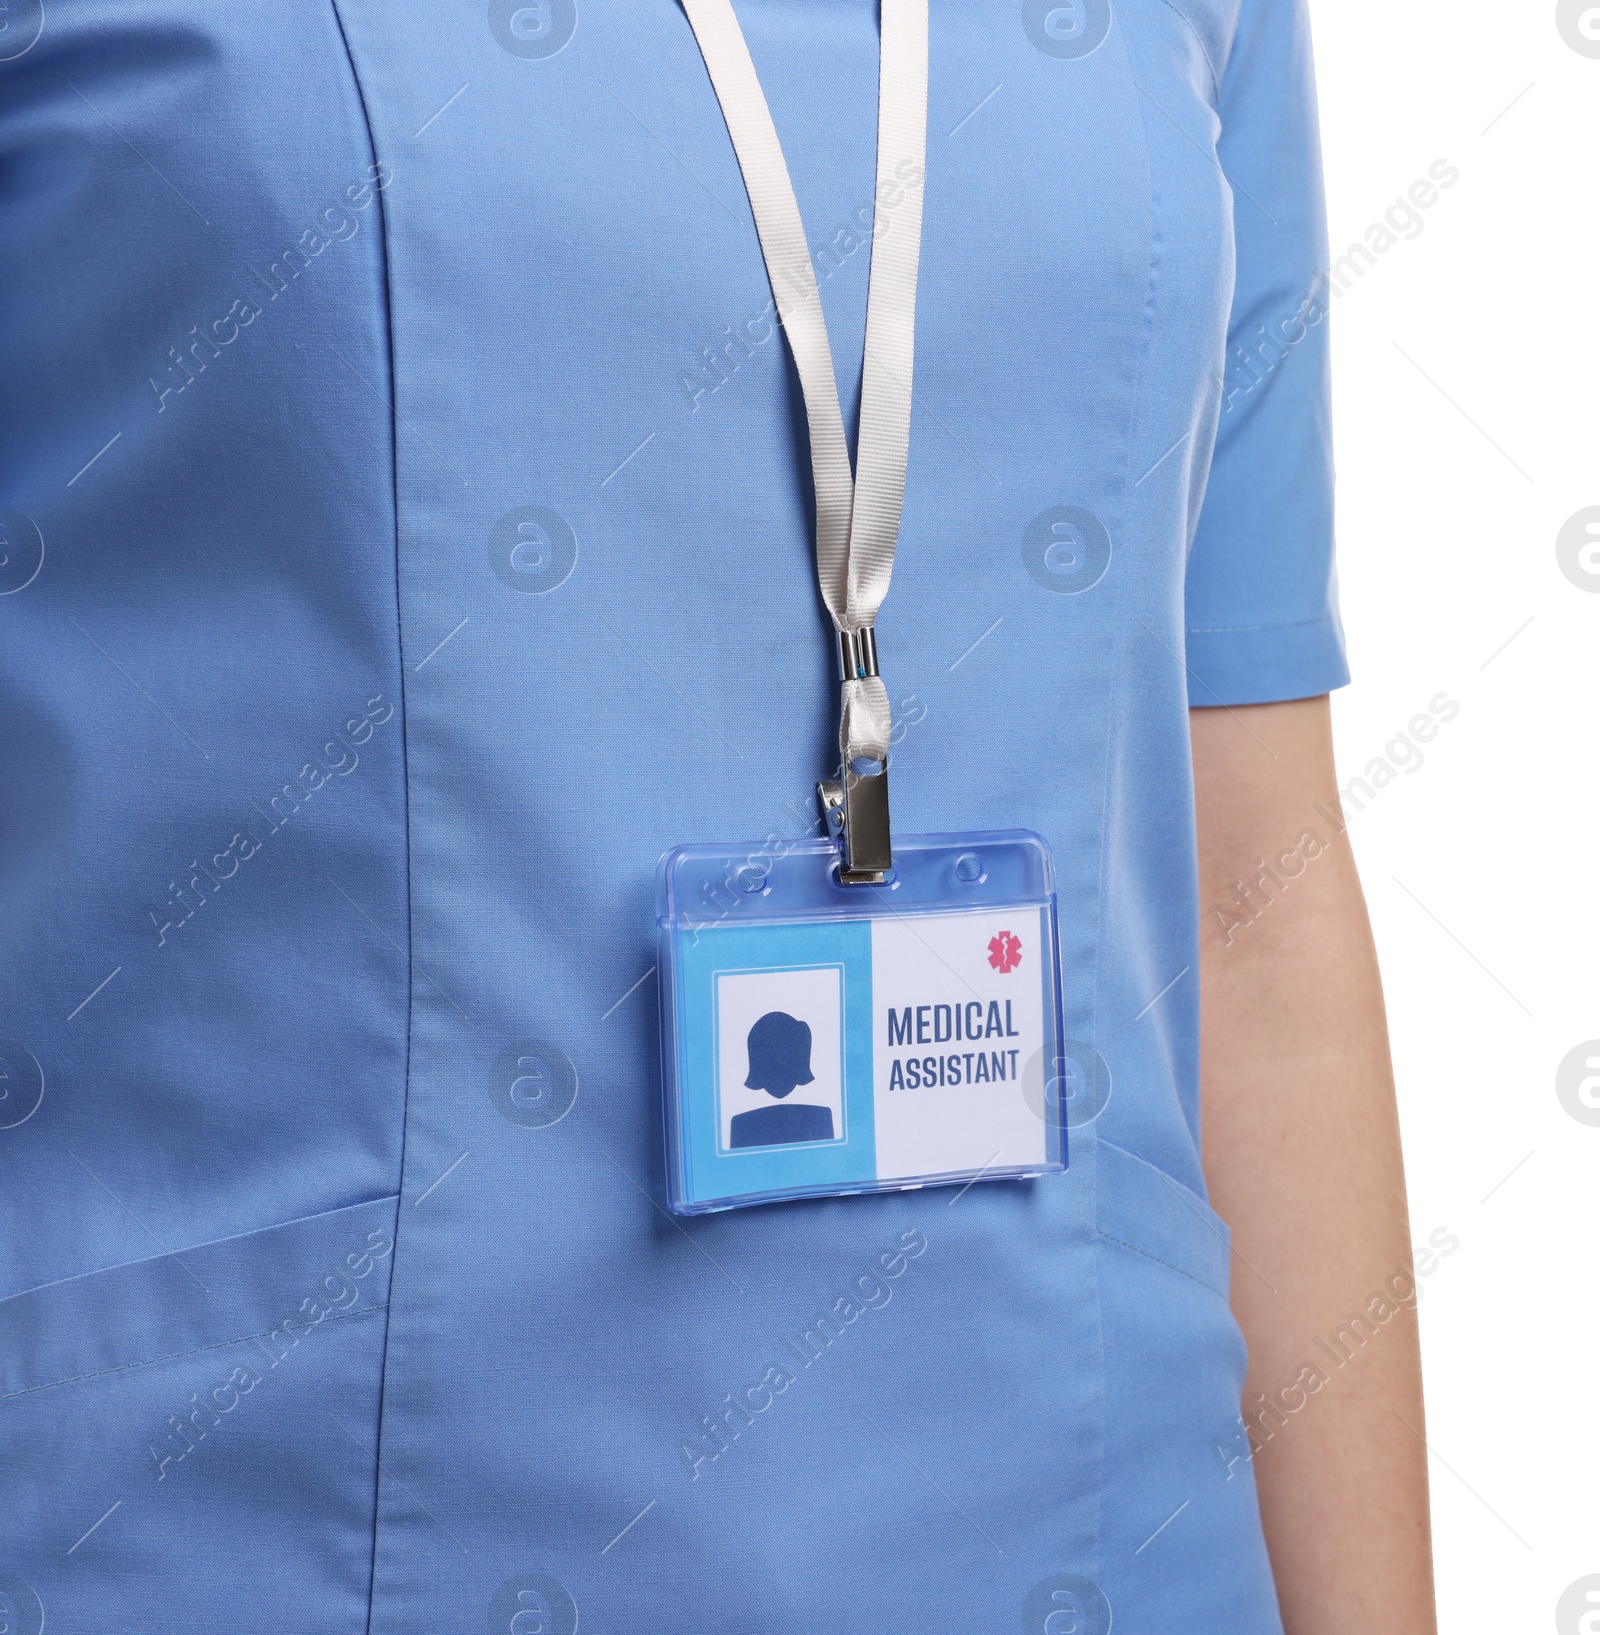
1005, 952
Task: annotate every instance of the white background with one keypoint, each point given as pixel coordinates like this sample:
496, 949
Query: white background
1447, 554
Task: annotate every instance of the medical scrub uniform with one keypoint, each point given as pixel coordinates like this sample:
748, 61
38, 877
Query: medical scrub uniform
407, 539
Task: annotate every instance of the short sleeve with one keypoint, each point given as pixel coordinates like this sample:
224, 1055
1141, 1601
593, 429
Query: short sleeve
1261, 599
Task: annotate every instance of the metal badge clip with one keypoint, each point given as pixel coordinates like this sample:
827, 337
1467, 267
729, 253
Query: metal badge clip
857, 809
858, 817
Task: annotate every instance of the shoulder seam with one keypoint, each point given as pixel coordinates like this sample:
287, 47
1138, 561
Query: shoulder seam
1183, 17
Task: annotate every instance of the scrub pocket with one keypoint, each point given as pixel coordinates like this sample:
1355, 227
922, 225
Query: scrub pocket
190, 1441
1180, 1530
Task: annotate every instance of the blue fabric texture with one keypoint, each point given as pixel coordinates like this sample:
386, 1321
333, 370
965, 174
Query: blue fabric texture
406, 540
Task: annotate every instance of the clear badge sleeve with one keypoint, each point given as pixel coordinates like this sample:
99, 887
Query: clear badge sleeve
821, 1039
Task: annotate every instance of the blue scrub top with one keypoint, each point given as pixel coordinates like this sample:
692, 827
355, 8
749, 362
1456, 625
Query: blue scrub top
407, 538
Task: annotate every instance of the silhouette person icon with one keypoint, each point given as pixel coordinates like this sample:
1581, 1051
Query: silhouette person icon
780, 1061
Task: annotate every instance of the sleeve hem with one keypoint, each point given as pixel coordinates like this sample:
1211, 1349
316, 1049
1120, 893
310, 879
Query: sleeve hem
1266, 664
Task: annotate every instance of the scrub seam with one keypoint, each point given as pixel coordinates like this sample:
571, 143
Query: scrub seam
1247, 629
405, 792
1102, 886
1133, 1248
178, 1356
125, 1266
1119, 628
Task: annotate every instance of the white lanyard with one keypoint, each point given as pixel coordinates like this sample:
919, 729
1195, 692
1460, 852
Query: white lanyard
858, 519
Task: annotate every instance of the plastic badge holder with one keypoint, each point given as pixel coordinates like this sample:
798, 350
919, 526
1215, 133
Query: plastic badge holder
822, 1039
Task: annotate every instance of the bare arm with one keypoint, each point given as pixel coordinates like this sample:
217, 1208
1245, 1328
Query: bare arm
1302, 1155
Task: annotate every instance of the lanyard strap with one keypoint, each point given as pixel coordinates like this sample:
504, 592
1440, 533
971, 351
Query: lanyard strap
858, 518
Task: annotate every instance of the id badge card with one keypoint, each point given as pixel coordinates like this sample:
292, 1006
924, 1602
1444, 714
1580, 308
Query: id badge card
821, 1038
